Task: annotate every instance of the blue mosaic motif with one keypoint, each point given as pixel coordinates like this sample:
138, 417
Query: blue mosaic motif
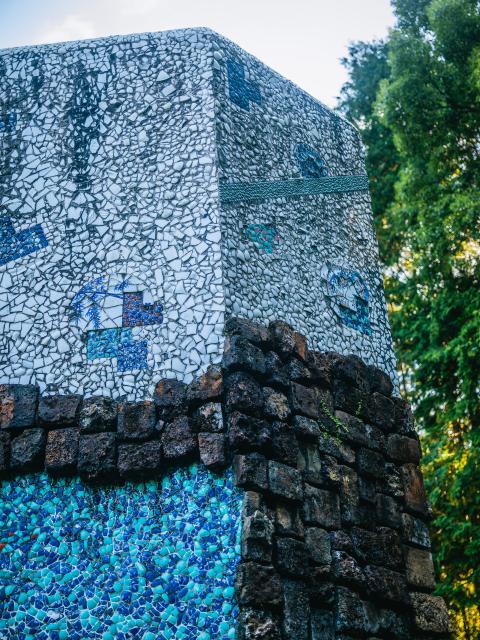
263, 235
8, 122
150, 561
137, 314
87, 300
104, 343
309, 162
132, 355
17, 245
241, 91
350, 295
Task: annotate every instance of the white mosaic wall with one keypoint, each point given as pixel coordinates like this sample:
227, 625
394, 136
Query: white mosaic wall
111, 227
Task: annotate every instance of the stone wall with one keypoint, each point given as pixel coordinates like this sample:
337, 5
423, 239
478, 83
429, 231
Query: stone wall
335, 518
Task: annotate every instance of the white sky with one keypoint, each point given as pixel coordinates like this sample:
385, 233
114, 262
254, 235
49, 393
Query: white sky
302, 39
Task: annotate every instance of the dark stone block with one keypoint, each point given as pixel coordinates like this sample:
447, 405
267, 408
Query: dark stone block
18, 406
243, 393
403, 449
98, 414
296, 371
276, 374
348, 399
322, 592
380, 411
371, 463
209, 418
310, 463
251, 472
136, 420
367, 490
257, 625
317, 542
179, 442
354, 615
96, 456
301, 348
358, 433
415, 496
321, 508
395, 625
288, 521
62, 451
304, 400
323, 625
306, 428
140, 461
404, 422
212, 450
347, 571
4, 452
381, 547
170, 397
284, 446
296, 610
419, 566
388, 511
275, 404
334, 446
249, 330
258, 585
290, 557
379, 381
257, 536
283, 337
415, 531
392, 483
320, 368
284, 481
430, 613
240, 354
207, 388
341, 541
351, 370
28, 450
246, 433
349, 495
386, 584
59, 411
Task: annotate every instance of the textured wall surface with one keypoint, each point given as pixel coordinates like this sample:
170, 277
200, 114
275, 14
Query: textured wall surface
148, 561
109, 235
334, 526
113, 222
311, 260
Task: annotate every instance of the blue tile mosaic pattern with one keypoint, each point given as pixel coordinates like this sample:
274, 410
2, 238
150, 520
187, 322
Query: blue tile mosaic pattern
309, 162
241, 91
349, 297
15, 245
138, 314
264, 236
8, 122
116, 342
150, 561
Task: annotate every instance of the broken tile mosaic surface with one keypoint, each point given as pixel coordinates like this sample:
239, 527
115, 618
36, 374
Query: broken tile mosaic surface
142, 562
111, 212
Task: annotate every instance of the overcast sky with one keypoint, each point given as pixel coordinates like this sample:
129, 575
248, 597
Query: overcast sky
302, 39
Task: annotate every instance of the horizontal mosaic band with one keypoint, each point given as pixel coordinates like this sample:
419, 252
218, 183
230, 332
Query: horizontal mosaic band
241, 191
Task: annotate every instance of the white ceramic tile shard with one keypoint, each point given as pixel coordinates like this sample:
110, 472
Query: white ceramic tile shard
119, 258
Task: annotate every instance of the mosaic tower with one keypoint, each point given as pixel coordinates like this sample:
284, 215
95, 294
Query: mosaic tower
154, 185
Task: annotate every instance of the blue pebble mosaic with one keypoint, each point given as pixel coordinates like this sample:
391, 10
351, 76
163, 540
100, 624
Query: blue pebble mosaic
309, 162
241, 90
146, 561
349, 297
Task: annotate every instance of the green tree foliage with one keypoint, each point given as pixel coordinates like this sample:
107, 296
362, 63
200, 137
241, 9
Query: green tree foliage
416, 99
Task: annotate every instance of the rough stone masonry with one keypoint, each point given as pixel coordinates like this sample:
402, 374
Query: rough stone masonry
334, 539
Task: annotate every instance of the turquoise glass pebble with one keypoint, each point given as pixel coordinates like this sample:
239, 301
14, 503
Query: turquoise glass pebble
146, 561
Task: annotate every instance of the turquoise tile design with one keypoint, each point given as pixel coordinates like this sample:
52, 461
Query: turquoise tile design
147, 561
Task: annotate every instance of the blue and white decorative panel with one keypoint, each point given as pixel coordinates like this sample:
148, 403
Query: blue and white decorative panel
180, 164
151, 561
